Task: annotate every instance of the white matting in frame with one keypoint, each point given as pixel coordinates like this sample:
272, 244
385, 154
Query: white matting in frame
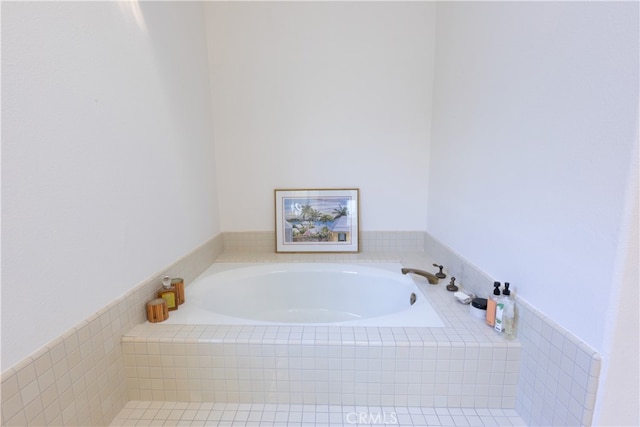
317, 220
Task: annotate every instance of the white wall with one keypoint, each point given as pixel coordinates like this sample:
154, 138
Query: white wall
619, 391
317, 95
106, 121
107, 172
535, 110
536, 107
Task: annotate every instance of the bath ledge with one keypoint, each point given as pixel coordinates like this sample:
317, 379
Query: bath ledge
303, 335
461, 329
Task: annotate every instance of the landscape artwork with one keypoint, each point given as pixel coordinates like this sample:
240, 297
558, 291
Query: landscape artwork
317, 220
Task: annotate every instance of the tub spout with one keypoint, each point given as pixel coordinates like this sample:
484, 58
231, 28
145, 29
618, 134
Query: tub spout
430, 277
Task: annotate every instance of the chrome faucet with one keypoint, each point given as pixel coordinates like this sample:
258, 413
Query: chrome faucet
430, 277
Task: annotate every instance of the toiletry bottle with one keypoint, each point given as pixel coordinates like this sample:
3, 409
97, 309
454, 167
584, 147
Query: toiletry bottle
499, 326
491, 304
508, 316
168, 292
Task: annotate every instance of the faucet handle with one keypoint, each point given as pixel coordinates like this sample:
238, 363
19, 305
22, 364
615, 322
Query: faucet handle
452, 285
440, 274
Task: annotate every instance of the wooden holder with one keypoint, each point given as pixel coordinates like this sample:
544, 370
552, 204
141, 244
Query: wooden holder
157, 310
178, 283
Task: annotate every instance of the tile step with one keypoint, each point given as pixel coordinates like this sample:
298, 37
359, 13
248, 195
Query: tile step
156, 413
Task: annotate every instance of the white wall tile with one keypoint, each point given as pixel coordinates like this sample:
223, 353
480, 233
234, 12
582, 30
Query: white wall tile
556, 368
80, 378
261, 364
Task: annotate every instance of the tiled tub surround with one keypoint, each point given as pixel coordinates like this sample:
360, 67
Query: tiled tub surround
464, 364
559, 373
251, 244
79, 378
331, 366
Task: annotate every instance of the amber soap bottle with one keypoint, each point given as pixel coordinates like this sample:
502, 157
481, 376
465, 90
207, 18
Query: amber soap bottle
168, 293
492, 304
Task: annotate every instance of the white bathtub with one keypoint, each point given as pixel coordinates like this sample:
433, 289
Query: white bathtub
331, 294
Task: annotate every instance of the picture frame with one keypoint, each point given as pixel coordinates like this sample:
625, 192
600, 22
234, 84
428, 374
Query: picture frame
317, 220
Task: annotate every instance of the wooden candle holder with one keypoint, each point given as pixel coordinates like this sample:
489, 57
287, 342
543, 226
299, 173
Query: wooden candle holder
178, 282
157, 310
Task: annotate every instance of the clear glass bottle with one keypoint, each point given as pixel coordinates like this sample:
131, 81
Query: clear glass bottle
509, 314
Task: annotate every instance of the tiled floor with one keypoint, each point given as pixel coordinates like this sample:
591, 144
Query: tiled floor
141, 413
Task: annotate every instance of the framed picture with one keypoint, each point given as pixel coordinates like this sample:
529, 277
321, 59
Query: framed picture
323, 220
